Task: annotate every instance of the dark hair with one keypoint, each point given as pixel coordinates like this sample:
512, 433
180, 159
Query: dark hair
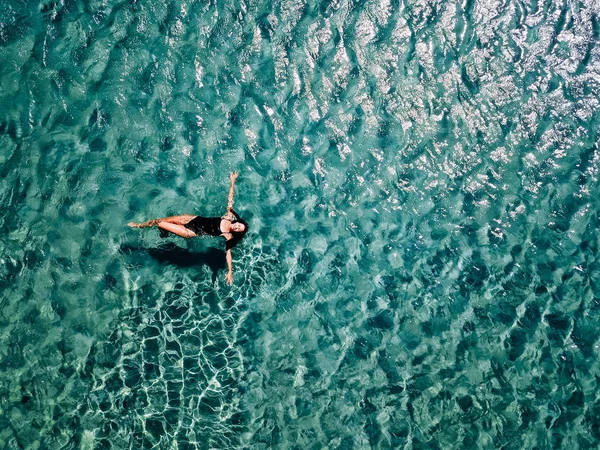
243, 222
237, 236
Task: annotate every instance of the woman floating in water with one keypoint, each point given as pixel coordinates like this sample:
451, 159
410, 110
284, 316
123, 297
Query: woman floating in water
230, 226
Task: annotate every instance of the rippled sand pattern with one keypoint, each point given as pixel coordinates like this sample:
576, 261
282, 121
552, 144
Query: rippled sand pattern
421, 183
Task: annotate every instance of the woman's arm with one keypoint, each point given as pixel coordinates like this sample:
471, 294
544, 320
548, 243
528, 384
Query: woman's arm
229, 276
232, 176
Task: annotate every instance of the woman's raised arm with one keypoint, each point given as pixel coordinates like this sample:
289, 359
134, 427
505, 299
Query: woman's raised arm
232, 177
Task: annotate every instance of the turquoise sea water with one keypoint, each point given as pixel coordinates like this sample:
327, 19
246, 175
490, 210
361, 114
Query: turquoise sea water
421, 183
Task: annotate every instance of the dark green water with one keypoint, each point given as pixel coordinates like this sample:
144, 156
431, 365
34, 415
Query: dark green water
421, 183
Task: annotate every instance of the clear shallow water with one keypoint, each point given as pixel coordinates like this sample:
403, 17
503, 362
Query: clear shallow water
421, 180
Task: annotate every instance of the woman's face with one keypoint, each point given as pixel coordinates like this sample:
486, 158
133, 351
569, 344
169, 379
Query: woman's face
238, 227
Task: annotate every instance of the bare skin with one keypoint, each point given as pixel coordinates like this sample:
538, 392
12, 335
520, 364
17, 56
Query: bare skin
176, 225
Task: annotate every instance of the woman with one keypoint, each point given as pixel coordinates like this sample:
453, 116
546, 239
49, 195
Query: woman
230, 226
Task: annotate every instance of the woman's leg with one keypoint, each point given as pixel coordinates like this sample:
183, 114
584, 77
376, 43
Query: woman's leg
179, 230
176, 220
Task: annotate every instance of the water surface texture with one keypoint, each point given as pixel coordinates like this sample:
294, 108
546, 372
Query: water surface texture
421, 183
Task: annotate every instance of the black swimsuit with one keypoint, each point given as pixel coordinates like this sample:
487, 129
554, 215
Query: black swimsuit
211, 226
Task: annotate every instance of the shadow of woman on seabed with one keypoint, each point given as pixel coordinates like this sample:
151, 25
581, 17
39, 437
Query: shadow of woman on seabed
172, 254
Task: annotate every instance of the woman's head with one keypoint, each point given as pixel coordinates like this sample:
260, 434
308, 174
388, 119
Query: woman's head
239, 227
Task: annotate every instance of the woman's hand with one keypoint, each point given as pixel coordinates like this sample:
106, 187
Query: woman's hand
233, 176
229, 278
